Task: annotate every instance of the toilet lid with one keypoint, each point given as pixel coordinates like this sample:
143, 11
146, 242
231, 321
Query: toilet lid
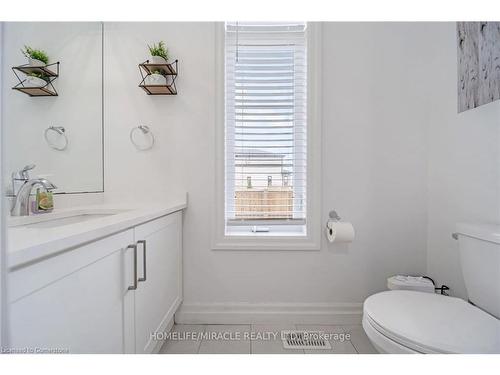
432, 323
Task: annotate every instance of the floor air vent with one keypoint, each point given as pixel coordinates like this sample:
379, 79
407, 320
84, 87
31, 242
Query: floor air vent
305, 340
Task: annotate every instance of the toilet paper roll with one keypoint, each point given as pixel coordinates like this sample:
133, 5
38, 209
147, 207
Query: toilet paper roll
337, 231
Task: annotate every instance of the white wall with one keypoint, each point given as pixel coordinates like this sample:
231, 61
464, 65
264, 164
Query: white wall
464, 162
182, 124
78, 108
374, 158
3, 263
374, 117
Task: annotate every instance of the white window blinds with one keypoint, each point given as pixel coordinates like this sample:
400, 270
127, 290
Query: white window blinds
265, 123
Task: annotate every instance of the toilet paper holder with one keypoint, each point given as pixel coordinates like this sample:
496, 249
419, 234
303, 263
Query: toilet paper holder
333, 216
338, 230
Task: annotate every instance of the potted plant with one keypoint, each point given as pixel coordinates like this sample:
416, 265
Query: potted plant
36, 57
155, 78
159, 53
35, 79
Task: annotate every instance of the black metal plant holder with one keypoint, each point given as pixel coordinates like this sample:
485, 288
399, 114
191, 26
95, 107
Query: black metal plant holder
169, 71
45, 70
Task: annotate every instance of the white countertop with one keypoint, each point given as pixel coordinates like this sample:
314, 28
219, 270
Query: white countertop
26, 245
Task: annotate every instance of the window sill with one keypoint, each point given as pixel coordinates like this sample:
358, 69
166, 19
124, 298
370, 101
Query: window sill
266, 231
277, 241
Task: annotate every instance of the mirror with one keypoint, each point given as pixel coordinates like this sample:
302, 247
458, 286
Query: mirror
62, 135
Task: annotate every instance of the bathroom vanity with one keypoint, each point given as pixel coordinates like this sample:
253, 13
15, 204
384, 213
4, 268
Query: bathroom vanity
95, 280
92, 279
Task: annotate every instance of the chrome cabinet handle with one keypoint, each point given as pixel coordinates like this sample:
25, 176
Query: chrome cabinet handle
143, 242
134, 287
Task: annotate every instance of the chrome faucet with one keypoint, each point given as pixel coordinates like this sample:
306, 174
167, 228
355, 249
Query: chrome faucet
19, 178
22, 195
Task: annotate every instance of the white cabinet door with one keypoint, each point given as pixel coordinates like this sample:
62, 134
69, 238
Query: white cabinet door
76, 301
158, 297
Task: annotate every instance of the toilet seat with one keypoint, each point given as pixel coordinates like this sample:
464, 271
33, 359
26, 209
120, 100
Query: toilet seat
417, 322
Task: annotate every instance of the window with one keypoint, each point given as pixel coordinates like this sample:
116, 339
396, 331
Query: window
265, 126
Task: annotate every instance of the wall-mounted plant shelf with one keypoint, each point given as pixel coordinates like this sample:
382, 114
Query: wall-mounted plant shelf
168, 71
46, 71
159, 89
37, 91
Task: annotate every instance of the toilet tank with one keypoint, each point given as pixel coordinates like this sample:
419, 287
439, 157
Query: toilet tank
479, 247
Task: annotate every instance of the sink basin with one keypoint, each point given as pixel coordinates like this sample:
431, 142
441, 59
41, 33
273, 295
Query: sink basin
66, 221
57, 219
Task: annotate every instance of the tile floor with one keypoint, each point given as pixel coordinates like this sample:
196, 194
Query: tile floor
256, 339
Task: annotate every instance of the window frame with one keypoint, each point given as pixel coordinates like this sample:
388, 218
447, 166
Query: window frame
271, 240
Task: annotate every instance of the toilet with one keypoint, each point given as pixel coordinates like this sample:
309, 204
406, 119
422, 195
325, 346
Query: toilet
408, 321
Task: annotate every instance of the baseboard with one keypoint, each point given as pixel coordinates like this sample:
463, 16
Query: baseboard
248, 313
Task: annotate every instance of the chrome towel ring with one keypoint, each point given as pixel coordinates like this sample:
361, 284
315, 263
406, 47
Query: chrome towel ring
147, 135
61, 132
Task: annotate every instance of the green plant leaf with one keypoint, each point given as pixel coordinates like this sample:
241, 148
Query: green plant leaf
35, 54
159, 50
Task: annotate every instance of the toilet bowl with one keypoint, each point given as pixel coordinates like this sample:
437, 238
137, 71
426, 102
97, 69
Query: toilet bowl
403, 321
406, 321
